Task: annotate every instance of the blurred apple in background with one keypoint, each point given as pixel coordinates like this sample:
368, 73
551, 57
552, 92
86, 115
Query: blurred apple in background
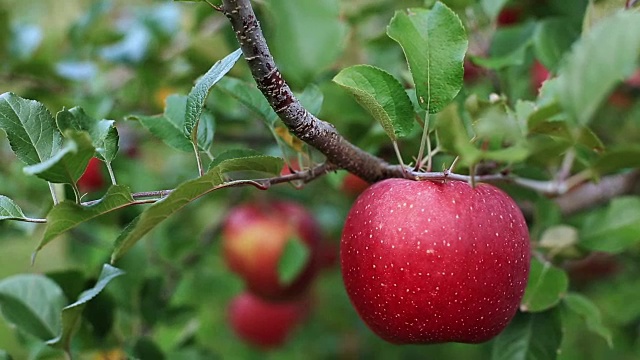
539, 74
634, 80
93, 178
263, 324
510, 15
254, 238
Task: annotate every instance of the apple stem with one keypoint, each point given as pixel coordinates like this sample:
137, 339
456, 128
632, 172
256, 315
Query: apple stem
453, 164
472, 177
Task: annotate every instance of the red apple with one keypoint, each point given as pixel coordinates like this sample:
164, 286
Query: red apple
427, 262
472, 72
92, 179
353, 185
263, 324
539, 74
634, 80
509, 16
329, 254
254, 236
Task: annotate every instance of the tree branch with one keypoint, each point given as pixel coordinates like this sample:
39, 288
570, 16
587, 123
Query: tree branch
308, 128
573, 194
591, 194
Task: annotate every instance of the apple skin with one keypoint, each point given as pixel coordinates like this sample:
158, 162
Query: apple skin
426, 262
263, 324
92, 179
539, 74
253, 238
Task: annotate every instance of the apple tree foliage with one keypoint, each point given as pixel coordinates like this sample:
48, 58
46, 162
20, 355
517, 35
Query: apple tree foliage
160, 93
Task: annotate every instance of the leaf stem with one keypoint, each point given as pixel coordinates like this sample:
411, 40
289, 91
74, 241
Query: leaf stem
54, 196
397, 150
424, 141
112, 175
196, 150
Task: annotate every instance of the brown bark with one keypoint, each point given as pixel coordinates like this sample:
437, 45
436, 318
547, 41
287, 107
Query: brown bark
315, 132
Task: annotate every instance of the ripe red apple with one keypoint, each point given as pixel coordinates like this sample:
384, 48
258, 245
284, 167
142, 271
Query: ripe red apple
427, 262
264, 324
353, 185
509, 16
254, 236
539, 74
472, 72
92, 179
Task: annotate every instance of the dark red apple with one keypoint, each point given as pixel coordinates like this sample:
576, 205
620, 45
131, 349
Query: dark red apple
509, 16
264, 324
92, 179
353, 185
539, 74
254, 236
427, 262
472, 72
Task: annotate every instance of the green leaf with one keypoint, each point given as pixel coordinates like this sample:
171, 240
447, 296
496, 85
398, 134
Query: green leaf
381, 95
434, 43
623, 157
103, 133
308, 36
10, 211
199, 92
5, 355
187, 192
453, 136
552, 39
311, 98
547, 285
71, 314
206, 130
169, 126
32, 303
615, 230
67, 214
509, 47
233, 154
590, 72
293, 260
530, 336
493, 7
68, 164
249, 95
586, 309
30, 128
